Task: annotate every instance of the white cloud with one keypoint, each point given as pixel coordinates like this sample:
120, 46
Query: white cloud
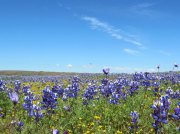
97, 24
143, 9
131, 51
69, 66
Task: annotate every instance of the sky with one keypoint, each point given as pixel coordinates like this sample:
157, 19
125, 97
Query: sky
88, 35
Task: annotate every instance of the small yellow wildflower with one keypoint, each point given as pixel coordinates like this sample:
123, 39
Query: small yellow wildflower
80, 118
97, 117
87, 132
92, 124
100, 127
119, 132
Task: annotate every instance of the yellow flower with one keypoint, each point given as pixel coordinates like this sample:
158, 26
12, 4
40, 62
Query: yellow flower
52, 127
92, 124
100, 127
97, 117
87, 132
80, 118
119, 132
69, 131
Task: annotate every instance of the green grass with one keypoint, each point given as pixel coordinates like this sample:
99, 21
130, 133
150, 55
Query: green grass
97, 117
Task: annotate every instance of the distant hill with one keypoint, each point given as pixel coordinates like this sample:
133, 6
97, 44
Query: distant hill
25, 73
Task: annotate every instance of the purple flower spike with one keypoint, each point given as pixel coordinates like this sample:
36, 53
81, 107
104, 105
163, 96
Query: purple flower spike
106, 71
55, 131
14, 97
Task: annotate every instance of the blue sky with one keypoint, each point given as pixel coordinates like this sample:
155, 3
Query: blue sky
88, 35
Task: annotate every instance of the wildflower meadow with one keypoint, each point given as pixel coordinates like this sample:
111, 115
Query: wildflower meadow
138, 103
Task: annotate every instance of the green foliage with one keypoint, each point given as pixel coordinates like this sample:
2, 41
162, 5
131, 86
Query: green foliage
97, 117
5, 103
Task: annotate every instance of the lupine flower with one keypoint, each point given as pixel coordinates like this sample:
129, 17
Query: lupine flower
157, 91
26, 90
106, 71
160, 114
106, 88
58, 89
176, 95
37, 113
17, 86
176, 65
115, 98
19, 126
176, 114
28, 102
158, 67
55, 131
1, 115
169, 91
49, 99
14, 97
133, 88
2, 85
134, 120
67, 108
89, 93
72, 90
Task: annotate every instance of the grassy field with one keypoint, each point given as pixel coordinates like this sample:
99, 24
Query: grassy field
78, 114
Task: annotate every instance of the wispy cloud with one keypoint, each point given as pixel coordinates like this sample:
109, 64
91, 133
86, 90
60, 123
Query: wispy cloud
107, 28
131, 51
69, 66
142, 9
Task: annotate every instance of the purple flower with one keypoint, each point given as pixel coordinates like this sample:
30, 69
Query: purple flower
49, 99
20, 124
134, 116
160, 114
176, 114
134, 119
67, 108
37, 113
14, 97
106, 71
55, 131
176, 65
158, 67
89, 93
1, 115
17, 86
28, 102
